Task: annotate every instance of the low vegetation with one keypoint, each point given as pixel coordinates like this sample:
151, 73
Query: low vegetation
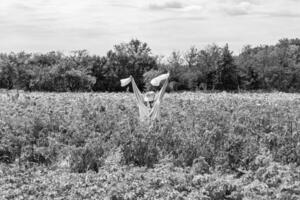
207, 146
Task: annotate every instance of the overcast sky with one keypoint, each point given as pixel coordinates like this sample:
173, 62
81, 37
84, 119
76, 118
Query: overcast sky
166, 25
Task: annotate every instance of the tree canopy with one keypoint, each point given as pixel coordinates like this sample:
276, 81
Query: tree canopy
265, 67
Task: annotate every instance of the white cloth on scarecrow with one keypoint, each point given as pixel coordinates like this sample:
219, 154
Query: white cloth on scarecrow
156, 81
125, 81
146, 113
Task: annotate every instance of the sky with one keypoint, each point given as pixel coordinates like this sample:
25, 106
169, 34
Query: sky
165, 25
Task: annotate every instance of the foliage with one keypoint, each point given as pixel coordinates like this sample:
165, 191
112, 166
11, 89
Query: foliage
206, 146
140, 150
265, 67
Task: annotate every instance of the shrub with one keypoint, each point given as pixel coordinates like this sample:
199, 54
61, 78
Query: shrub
200, 166
89, 157
140, 150
219, 190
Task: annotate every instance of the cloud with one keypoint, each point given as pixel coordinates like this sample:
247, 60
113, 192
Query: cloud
68, 24
88, 33
123, 5
242, 8
166, 5
271, 8
191, 8
187, 18
23, 7
283, 14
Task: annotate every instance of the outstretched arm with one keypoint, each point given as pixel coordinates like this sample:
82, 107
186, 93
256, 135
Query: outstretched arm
163, 90
137, 92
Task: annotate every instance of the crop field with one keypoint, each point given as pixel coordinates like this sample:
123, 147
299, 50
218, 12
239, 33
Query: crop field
206, 146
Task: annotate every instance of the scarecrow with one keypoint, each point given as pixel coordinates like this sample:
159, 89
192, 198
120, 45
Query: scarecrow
149, 103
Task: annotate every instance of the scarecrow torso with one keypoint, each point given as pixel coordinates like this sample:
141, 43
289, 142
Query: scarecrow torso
147, 113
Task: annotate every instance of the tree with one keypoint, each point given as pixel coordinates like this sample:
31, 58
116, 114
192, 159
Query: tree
265, 67
175, 66
191, 58
133, 58
8, 73
247, 71
99, 70
227, 72
209, 60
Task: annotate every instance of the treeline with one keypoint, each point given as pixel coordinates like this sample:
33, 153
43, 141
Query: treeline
267, 68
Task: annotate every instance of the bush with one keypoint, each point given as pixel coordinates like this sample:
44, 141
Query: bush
6, 156
200, 166
219, 190
140, 150
89, 157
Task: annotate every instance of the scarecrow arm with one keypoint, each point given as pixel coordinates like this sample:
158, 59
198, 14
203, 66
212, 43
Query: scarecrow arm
137, 93
154, 110
163, 90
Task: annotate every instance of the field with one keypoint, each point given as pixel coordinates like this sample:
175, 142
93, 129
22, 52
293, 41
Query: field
92, 146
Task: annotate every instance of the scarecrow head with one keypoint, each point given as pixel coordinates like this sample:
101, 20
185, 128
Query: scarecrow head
149, 98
